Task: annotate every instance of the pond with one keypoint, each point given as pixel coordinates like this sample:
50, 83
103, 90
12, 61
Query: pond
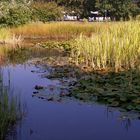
66, 119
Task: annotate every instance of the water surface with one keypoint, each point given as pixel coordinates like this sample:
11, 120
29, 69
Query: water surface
68, 119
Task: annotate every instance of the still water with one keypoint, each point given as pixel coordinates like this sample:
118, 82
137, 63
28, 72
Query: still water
68, 119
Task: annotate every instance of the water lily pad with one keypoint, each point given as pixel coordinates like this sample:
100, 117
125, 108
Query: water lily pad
130, 107
115, 104
138, 107
137, 101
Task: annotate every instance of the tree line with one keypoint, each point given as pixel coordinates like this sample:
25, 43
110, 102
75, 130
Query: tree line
18, 12
116, 9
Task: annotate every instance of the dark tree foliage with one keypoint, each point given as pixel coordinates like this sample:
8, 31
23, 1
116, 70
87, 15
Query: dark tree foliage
14, 13
116, 9
46, 11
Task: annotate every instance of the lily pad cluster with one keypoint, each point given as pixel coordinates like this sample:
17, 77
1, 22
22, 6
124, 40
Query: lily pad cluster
64, 45
115, 89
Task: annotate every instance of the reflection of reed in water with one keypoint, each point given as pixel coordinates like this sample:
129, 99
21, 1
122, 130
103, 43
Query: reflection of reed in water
10, 107
19, 54
125, 118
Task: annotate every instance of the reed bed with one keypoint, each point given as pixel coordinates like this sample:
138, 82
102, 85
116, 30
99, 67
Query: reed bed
116, 47
57, 30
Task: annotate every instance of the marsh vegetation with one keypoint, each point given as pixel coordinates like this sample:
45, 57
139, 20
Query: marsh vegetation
110, 47
109, 57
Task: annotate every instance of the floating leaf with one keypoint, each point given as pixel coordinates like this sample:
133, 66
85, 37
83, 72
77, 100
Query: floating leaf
130, 107
115, 104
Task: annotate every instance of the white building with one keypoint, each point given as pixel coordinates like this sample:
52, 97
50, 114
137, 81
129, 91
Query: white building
70, 17
96, 17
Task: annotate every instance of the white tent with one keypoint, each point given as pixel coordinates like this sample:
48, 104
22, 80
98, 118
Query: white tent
95, 12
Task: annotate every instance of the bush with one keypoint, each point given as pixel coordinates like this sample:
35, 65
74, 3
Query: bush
15, 15
46, 12
138, 17
85, 20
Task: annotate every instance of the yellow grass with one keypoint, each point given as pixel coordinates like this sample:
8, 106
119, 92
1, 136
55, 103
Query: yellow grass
56, 30
100, 45
6, 37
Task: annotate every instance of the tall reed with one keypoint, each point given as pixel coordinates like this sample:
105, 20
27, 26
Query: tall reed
6, 37
116, 47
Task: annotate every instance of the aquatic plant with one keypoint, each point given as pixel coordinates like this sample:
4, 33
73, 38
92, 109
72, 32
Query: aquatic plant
61, 45
117, 47
114, 89
119, 89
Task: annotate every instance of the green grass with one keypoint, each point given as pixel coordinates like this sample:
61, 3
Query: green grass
116, 47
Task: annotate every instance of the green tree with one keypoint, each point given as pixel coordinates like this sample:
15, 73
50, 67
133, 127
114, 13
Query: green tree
46, 11
118, 9
88, 6
14, 14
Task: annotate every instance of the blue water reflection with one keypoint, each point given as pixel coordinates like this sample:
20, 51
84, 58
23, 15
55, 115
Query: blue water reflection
66, 120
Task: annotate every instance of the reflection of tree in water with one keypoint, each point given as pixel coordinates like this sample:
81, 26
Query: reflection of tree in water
18, 55
127, 123
10, 107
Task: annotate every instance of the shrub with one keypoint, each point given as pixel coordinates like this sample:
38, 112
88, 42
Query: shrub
15, 15
138, 17
85, 20
46, 12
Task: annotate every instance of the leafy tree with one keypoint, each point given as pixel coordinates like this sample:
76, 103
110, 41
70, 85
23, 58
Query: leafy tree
89, 5
14, 14
118, 9
46, 11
